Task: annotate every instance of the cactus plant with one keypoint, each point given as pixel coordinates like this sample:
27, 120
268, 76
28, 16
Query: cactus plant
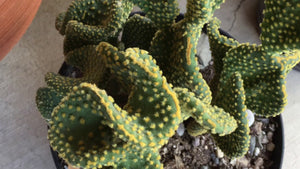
155, 65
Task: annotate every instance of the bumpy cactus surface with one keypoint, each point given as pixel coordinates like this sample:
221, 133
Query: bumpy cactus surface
154, 66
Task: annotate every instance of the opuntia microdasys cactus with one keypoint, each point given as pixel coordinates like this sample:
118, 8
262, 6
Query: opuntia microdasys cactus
164, 86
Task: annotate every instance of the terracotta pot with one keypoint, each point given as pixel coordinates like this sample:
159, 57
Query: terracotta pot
15, 18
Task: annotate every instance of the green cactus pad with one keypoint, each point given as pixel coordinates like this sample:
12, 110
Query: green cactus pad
46, 100
264, 79
280, 26
86, 125
77, 130
219, 45
61, 84
194, 128
161, 12
152, 101
89, 62
232, 99
211, 118
200, 11
175, 51
92, 21
49, 97
138, 157
287, 60
138, 32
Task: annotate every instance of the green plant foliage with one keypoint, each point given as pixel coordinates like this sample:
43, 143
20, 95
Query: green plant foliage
175, 48
207, 117
232, 99
161, 12
219, 45
96, 132
280, 27
138, 32
92, 21
263, 80
153, 74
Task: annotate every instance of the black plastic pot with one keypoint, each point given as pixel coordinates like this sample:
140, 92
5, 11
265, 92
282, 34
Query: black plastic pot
278, 137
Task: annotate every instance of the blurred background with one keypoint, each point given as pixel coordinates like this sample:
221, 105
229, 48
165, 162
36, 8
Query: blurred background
23, 133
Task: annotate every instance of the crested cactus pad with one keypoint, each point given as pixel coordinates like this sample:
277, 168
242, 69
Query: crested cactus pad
162, 13
264, 81
175, 51
152, 100
138, 32
210, 118
199, 11
47, 99
89, 62
175, 48
232, 99
92, 21
280, 26
89, 130
219, 45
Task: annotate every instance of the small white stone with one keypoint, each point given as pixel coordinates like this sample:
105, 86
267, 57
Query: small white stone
181, 129
196, 142
256, 151
233, 161
219, 153
250, 117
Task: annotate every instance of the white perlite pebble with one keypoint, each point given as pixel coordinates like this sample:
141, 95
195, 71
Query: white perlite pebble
196, 142
233, 161
181, 129
256, 151
220, 154
250, 117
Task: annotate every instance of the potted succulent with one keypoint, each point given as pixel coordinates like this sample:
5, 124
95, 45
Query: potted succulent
130, 95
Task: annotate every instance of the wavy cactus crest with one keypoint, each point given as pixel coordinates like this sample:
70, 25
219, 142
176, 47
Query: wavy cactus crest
163, 87
143, 126
264, 67
88, 22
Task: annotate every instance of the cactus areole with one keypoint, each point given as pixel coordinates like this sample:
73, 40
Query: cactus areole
155, 67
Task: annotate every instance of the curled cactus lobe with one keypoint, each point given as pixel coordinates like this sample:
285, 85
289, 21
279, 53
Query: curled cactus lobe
164, 87
152, 100
89, 62
92, 21
280, 32
219, 45
262, 70
89, 130
280, 26
46, 99
207, 117
264, 81
161, 12
175, 51
232, 99
91, 65
200, 11
138, 32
